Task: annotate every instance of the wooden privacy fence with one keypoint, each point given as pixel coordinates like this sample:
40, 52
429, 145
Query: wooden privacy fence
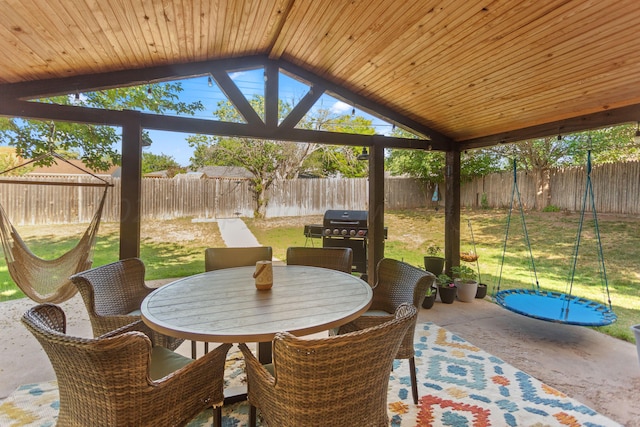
616, 188
198, 198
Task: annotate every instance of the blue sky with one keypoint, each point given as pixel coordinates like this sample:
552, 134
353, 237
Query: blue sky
249, 82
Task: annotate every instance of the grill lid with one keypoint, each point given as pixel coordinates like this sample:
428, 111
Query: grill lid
346, 218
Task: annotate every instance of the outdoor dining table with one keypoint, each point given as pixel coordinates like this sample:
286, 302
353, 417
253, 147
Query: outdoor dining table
224, 305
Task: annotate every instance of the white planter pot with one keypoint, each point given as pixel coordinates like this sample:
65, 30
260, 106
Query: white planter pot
636, 332
466, 290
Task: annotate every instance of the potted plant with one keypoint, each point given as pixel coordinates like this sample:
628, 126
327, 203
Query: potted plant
465, 280
446, 288
434, 262
430, 297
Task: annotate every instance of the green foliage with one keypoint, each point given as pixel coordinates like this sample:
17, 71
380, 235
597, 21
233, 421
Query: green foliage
444, 280
463, 272
484, 202
551, 208
96, 145
609, 144
269, 160
159, 162
266, 160
434, 250
430, 165
9, 160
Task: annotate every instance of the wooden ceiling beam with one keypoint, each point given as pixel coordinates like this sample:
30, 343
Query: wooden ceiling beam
131, 77
586, 122
97, 116
371, 107
219, 70
236, 97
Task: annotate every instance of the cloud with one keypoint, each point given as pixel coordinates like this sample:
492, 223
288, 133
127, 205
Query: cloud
340, 107
237, 74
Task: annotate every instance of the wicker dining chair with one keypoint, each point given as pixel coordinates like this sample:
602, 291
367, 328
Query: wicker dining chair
217, 258
341, 380
119, 379
398, 283
340, 259
113, 293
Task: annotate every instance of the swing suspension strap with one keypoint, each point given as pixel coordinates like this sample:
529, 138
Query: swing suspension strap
515, 192
588, 194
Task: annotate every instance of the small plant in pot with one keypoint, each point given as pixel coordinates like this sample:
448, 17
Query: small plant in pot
434, 261
430, 297
446, 288
465, 280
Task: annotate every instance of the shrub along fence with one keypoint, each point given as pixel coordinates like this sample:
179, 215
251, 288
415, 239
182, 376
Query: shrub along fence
616, 188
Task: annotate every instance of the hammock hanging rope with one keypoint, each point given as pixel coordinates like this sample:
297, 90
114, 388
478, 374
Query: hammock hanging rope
48, 280
556, 306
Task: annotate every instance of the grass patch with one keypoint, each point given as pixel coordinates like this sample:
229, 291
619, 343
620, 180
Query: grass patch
168, 248
175, 248
552, 236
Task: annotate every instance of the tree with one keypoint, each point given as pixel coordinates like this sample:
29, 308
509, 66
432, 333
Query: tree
159, 162
429, 166
95, 145
269, 161
337, 160
610, 144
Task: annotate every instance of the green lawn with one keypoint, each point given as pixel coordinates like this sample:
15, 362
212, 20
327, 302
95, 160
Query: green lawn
552, 237
176, 248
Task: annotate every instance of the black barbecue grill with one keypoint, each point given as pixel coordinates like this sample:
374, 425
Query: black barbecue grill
344, 229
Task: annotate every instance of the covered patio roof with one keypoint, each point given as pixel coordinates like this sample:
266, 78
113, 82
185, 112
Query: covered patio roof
476, 73
463, 74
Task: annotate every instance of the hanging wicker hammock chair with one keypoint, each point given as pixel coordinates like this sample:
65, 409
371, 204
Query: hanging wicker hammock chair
48, 280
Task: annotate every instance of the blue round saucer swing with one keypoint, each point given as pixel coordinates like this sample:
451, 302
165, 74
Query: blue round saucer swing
555, 306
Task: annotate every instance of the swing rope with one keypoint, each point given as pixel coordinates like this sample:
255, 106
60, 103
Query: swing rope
515, 192
588, 195
549, 305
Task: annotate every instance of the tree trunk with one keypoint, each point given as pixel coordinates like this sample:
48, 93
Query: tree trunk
543, 191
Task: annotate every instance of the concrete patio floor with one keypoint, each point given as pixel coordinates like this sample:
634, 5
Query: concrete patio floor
597, 370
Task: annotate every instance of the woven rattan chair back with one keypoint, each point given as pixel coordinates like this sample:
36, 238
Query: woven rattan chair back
340, 259
336, 381
217, 258
398, 283
105, 381
112, 294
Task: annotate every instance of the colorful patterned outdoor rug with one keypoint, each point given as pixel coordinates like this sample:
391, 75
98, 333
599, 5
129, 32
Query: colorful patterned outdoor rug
460, 385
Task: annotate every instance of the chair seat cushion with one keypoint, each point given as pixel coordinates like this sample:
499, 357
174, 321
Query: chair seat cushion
135, 313
376, 313
164, 362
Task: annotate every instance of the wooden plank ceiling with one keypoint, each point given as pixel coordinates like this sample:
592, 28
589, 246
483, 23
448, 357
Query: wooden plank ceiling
467, 69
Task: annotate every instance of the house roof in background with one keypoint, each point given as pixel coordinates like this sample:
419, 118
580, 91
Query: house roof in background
61, 167
228, 172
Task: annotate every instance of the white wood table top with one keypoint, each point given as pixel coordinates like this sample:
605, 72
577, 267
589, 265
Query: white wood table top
224, 305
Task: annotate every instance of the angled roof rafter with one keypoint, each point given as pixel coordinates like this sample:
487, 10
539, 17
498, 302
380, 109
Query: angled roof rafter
219, 70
